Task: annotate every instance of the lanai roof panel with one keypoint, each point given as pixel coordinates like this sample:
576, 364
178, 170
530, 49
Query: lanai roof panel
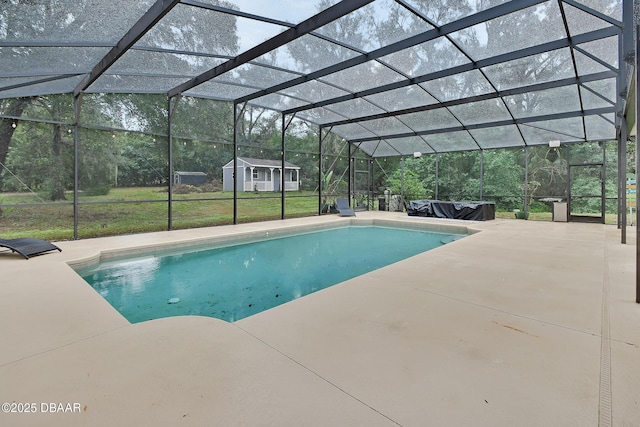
375, 25
363, 76
426, 58
307, 54
497, 137
387, 58
36, 60
439, 118
441, 13
402, 98
581, 21
63, 22
387, 126
314, 91
472, 113
219, 91
48, 87
563, 130
109, 83
355, 108
380, 148
164, 63
544, 102
571, 127
451, 141
291, 11
522, 29
194, 29
598, 94
407, 146
456, 86
534, 69
600, 127
256, 76
352, 131
278, 102
601, 55
320, 116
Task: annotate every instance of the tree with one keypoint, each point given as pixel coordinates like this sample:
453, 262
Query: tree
21, 20
14, 108
503, 177
101, 156
406, 182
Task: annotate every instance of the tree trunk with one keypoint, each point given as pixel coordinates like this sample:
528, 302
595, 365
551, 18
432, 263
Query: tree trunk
15, 109
57, 174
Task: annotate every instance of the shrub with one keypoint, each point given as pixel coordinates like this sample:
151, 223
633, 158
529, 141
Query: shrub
184, 189
211, 186
98, 190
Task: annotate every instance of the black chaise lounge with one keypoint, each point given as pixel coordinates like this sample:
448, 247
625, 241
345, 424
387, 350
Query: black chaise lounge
343, 208
27, 246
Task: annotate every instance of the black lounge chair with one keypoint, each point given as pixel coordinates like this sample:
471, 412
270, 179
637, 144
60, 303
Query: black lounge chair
343, 208
27, 246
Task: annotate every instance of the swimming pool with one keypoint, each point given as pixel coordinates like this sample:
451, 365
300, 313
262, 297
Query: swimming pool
238, 280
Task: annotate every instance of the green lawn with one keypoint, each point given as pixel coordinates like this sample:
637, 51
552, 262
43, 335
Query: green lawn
136, 210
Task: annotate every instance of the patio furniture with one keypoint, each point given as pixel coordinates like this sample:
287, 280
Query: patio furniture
475, 211
27, 246
343, 207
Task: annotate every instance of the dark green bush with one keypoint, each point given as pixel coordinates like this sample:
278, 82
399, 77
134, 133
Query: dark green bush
97, 190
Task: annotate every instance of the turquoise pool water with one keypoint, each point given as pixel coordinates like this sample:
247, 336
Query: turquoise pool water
234, 282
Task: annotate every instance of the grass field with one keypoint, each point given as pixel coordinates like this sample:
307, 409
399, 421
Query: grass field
137, 210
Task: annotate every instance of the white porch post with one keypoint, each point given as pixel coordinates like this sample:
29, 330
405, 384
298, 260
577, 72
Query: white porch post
272, 184
252, 184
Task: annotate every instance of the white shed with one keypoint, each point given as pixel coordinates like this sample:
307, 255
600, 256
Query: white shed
261, 175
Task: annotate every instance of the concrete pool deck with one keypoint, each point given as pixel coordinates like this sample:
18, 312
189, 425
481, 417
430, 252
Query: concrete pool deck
525, 323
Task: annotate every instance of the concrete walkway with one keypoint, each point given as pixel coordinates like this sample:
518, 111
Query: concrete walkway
522, 324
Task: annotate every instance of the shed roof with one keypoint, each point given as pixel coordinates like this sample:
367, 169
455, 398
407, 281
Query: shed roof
185, 173
391, 76
263, 163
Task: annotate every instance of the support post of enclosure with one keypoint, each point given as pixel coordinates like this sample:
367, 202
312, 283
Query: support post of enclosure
622, 145
637, 101
525, 205
371, 200
171, 110
350, 171
169, 166
320, 180
437, 172
235, 163
402, 185
481, 174
284, 170
76, 123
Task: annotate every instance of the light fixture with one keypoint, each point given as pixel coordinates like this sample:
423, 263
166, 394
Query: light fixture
14, 125
554, 144
417, 155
